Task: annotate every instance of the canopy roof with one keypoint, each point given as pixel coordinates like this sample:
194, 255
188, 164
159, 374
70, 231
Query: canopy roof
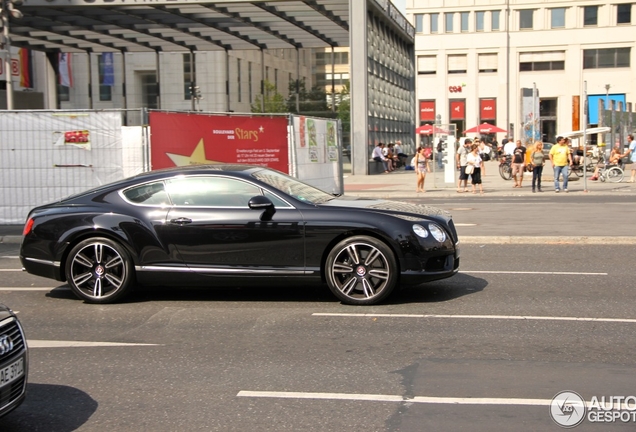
183, 25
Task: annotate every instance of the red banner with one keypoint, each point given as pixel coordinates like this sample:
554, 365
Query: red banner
194, 139
427, 111
488, 109
457, 110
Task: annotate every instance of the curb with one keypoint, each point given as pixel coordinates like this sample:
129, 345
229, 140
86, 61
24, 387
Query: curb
548, 240
11, 239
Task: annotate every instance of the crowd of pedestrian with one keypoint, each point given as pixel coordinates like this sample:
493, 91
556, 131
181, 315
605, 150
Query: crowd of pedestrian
470, 158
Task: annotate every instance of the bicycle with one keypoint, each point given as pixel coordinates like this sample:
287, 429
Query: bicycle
505, 168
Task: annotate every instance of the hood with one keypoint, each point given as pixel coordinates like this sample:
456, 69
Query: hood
389, 206
5, 312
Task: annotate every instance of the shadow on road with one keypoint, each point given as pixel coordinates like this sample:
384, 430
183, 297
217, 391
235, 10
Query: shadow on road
440, 291
50, 408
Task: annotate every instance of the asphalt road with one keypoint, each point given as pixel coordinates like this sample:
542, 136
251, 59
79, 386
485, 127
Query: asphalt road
518, 325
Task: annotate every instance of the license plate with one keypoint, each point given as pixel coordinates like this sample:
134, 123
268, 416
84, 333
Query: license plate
12, 372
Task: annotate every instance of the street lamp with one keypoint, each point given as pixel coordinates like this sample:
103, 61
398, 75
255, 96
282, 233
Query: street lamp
8, 8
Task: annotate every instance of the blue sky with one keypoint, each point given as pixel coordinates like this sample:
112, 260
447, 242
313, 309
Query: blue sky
401, 5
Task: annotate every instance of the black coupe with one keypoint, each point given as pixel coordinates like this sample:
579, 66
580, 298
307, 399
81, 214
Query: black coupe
227, 225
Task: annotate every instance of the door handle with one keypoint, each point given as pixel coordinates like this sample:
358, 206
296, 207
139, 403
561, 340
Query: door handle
181, 221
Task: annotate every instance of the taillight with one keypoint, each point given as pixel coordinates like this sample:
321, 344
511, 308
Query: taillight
27, 227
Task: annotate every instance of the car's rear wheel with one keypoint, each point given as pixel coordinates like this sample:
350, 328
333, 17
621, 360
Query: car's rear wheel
99, 270
361, 270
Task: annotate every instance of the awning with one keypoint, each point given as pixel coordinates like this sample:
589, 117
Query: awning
186, 25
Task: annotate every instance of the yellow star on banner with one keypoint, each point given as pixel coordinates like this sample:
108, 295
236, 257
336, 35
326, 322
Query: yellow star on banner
196, 158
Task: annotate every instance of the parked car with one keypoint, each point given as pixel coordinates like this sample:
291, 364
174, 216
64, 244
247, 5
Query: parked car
235, 224
14, 361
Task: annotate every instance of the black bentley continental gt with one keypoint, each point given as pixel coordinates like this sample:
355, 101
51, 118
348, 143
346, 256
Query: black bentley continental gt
227, 225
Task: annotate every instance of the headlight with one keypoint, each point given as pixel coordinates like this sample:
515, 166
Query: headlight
438, 233
420, 231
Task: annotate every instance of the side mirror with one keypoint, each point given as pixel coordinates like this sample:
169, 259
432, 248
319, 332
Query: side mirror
260, 202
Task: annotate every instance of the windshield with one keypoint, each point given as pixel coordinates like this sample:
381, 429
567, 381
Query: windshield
291, 186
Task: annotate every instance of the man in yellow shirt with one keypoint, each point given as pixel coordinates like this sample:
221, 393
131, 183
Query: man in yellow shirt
561, 159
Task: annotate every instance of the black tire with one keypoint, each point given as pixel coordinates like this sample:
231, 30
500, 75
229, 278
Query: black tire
361, 270
505, 171
99, 270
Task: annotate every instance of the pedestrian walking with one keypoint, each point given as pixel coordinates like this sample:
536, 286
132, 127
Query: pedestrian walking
518, 164
422, 166
561, 159
537, 159
462, 153
631, 152
474, 164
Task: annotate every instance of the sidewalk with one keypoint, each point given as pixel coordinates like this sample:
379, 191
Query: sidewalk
400, 184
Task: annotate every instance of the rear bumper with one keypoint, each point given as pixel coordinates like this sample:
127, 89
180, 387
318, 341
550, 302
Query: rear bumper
47, 269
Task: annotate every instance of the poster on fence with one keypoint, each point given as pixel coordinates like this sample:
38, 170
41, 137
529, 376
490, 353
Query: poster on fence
180, 139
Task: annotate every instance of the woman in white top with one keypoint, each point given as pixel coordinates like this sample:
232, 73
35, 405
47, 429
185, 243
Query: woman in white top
421, 168
473, 159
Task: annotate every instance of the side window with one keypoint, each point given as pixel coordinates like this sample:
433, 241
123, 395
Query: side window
202, 191
148, 194
279, 203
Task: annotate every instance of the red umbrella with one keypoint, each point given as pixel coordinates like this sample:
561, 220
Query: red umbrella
424, 129
428, 129
485, 128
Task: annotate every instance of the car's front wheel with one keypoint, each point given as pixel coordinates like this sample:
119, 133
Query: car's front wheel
99, 270
361, 270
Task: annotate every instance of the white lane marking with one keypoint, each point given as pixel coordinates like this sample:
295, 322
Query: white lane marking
465, 224
10, 256
533, 272
490, 317
33, 288
34, 343
10, 270
395, 398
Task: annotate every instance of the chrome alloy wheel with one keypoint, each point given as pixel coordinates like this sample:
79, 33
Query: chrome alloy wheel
361, 270
98, 271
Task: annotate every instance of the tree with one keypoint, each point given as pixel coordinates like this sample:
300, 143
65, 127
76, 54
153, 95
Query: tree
344, 107
274, 102
313, 102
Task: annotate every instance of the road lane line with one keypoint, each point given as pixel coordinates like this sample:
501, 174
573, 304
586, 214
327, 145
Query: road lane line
33, 288
35, 343
395, 398
532, 272
10, 270
489, 317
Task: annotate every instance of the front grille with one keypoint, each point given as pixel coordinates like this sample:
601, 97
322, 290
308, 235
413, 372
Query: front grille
12, 392
440, 263
11, 328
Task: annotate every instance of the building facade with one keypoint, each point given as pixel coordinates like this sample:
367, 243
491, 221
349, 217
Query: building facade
226, 82
524, 66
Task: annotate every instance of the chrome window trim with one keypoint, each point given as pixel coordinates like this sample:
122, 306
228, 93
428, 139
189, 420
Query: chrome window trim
172, 206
